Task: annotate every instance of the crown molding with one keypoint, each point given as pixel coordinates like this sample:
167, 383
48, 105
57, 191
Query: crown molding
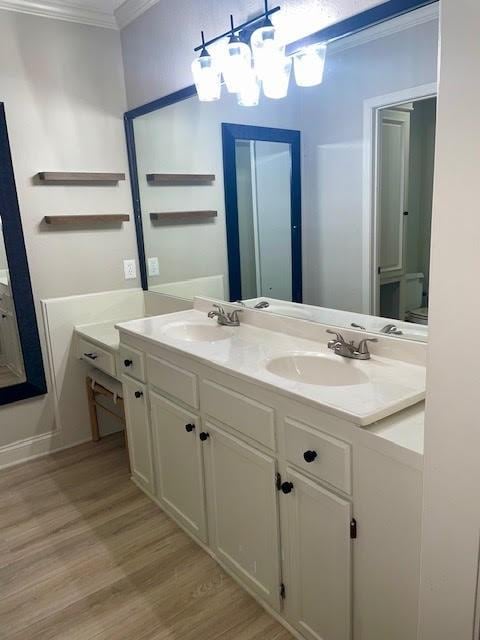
131, 9
68, 10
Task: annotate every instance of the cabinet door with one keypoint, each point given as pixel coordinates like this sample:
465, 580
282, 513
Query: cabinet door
244, 510
138, 432
318, 581
179, 464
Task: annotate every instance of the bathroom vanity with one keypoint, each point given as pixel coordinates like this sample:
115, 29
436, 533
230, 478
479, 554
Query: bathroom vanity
298, 470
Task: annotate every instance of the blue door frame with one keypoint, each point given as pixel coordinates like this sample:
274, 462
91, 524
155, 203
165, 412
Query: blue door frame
230, 134
21, 287
343, 28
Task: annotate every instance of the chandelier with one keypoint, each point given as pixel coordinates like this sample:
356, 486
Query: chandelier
255, 60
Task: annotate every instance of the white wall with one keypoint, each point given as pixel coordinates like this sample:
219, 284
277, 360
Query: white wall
158, 46
451, 517
63, 88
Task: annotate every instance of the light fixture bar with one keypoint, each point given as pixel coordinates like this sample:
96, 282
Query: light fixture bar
262, 16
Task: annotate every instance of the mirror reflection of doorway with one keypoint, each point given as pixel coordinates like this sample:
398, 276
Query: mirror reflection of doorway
262, 195
405, 165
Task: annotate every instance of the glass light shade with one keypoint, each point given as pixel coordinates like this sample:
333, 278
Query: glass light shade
275, 82
206, 75
266, 49
309, 64
237, 64
249, 94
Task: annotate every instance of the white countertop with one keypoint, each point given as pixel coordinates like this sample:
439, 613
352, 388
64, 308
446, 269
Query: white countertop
393, 384
104, 334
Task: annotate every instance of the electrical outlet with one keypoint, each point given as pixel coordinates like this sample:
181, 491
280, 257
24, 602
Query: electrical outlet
153, 267
130, 269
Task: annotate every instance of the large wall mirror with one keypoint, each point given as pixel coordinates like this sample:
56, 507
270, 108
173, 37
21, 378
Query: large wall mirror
317, 205
21, 366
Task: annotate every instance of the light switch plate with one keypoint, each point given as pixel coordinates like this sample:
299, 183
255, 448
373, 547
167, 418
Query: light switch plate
130, 269
153, 267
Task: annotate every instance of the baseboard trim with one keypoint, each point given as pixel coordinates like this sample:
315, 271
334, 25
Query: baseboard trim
33, 448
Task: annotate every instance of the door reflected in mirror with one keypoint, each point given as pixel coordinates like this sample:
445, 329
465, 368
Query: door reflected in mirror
12, 370
337, 218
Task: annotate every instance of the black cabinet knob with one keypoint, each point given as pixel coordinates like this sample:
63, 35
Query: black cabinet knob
138, 394
287, 487
189, 428
92, 356
204, 436
310, 456
128, 363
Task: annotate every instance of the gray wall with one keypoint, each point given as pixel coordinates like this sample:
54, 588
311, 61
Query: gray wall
158, 46
63, 88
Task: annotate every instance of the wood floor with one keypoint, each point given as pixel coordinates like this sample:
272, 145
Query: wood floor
85, 555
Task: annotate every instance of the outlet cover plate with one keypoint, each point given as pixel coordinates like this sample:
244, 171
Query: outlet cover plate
130, 269
153, 267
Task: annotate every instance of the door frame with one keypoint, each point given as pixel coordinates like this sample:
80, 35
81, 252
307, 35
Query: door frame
371, 218
230, 134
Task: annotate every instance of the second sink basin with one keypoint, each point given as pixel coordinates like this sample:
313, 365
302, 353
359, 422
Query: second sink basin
317, 369
197, 332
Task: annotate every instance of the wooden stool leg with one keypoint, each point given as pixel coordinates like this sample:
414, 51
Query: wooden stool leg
92, 409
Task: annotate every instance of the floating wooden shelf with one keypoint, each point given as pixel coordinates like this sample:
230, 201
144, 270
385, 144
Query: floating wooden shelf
87, 219
182, 216
76, 177
173, 179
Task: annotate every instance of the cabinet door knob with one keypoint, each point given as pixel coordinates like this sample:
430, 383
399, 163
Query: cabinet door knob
138, 394
128, 363
287, 487
189, 428
92, 356
204, 436
310, 456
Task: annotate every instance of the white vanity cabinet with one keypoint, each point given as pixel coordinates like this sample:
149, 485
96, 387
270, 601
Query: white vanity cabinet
272, 488
138, 432
178, 463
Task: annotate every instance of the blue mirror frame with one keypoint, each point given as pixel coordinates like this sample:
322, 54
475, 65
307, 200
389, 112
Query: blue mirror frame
349, 26
35, 384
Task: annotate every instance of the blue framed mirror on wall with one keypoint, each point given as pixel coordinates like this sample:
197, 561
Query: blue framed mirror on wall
343, 242
22, 374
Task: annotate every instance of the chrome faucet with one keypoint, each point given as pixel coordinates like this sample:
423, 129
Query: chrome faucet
391, 330
225, 318
341, 347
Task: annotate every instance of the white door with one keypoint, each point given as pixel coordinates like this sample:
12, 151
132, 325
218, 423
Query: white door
178, 464
245, 528
318, 552
392, 175
138, 432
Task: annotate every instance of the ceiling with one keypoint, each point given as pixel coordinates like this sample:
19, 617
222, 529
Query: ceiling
111, 14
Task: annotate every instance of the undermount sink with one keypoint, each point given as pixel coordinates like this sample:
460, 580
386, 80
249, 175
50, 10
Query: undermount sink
197, 332
317, 369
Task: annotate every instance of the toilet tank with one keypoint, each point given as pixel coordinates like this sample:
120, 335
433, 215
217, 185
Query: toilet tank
413, 290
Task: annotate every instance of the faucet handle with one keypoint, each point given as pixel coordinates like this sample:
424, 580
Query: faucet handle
363, 345
338, 336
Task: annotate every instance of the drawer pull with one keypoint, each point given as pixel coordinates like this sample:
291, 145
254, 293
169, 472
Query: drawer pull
287, 487
138, 394
310, 456
204, 436
189, 428
92, 356
128, 363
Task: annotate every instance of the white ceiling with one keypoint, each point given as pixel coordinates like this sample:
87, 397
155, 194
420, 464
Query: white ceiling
112, 14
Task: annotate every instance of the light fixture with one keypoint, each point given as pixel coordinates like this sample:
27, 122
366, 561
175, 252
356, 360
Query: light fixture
266, 48
264, 63
276, 80
237, 62
309, 64
249, 94
206, 75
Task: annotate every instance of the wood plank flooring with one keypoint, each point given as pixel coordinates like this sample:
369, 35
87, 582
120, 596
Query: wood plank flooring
84, 555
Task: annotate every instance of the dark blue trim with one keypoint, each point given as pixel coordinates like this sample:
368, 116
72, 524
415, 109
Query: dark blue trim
231, 133
19, 279
137, 205
160, 103
359, 22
